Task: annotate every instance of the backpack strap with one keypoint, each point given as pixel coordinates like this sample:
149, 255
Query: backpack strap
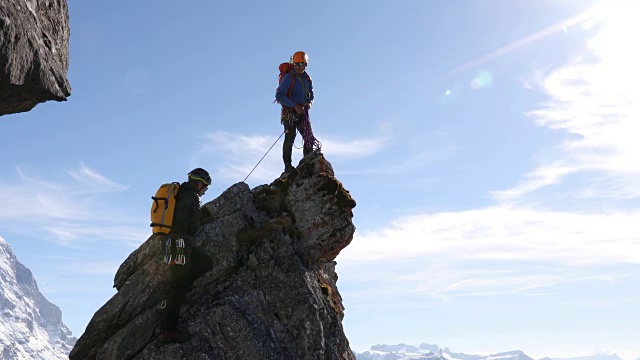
293, 80
306, 91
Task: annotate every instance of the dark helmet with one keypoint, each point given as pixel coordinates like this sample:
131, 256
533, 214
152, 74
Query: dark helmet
200, 174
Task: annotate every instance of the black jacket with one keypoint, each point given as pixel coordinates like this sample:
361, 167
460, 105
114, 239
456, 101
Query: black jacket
186, 216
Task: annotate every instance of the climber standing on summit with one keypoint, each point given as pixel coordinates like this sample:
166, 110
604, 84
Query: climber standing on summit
183, 271
295, 94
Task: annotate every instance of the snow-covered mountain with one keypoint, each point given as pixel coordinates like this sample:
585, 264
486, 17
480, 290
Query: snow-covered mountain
592, 357
431, 352
31, 327
510, 355
402, 352
435, 352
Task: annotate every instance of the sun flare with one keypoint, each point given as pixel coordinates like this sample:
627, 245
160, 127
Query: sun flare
617, 42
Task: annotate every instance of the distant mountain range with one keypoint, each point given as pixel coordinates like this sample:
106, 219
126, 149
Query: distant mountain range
590, 357
31, 327
435, 352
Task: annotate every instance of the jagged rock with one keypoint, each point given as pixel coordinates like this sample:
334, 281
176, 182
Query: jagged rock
34, 53
30, 326
271, 291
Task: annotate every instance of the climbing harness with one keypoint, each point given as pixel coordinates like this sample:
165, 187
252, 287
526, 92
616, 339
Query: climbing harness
305, 122
303, 125
245, 179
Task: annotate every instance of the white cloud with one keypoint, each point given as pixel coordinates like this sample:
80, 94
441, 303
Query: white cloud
65, 211
235, 155
537, 179
413, 161
78, 234
598, 103
524, 243
503, 233
353, 149
493, 251
95, 180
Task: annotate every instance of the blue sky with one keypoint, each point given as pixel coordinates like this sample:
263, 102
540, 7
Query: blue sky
491, 147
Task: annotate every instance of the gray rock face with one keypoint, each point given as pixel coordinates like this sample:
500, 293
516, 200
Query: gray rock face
34, 53
271, 291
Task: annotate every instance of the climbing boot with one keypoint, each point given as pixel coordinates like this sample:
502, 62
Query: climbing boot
288, 168
306, 151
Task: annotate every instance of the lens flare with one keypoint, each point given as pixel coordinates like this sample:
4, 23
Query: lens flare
482, 80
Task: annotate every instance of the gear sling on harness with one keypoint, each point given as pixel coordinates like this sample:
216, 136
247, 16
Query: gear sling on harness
176, 254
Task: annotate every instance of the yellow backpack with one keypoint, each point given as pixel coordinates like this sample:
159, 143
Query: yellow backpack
162, 208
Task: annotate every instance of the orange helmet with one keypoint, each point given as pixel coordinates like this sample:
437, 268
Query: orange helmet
299, 56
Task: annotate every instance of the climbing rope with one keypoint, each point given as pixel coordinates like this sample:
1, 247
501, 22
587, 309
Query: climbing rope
245, 179
307, 134
307, 137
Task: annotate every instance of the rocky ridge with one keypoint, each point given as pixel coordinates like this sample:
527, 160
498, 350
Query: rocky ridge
270, 294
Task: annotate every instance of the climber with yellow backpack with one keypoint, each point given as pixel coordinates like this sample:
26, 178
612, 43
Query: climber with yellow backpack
176, 218
295, 94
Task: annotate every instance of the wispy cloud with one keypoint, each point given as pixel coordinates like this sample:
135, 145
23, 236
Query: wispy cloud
527, 242
235, 155
537, 179
598, 102
412, 161
353, 149
503, 233
94, 180
65, 210
79, 234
